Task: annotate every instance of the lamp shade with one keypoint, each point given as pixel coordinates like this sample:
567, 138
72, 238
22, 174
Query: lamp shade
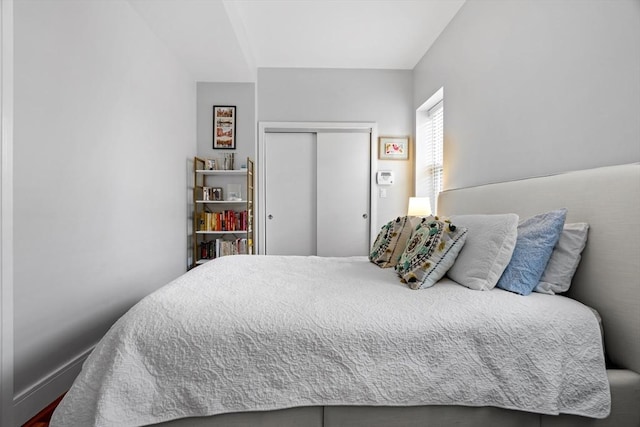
419, 206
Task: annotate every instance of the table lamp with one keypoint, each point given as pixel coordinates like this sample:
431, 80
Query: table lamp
419, 206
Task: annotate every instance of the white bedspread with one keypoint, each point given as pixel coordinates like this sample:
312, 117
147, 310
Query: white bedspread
248, 333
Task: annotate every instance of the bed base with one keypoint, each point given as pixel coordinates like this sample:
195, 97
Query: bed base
625, 411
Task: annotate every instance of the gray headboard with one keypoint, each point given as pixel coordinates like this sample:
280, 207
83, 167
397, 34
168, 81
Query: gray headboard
608, 278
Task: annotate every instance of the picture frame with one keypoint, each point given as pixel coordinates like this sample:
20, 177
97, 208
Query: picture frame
206, 194
216, 194
393, 147
224, 127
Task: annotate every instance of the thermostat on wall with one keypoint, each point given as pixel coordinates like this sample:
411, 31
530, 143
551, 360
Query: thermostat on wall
384, 177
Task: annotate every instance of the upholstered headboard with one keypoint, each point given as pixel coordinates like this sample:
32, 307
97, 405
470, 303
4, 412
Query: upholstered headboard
608, 278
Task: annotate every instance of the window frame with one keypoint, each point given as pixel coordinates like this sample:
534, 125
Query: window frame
429, 160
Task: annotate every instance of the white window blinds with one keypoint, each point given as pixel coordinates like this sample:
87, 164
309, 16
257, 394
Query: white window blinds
436, 143
429, 149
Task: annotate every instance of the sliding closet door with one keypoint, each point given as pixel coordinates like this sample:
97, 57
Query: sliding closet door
290, 193
343, 181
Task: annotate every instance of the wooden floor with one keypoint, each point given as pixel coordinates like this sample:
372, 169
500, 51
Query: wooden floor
44, 416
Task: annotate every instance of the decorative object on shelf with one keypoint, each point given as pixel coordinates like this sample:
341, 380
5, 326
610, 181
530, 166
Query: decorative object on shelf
228, 162
216, 194
393, 148
234, 192
211, 164
206, 193
224, 127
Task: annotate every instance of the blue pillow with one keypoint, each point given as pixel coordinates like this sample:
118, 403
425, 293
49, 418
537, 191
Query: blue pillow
537, 237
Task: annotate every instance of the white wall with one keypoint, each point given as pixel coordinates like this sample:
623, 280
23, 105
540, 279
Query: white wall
104, 127
536, 87
340, 95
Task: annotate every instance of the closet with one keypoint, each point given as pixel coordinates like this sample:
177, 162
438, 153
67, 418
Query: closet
316, 192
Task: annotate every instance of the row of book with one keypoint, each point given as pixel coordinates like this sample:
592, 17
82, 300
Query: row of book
219, 247
223, 221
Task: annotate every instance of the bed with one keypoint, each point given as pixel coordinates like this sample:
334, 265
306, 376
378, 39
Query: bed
311, 341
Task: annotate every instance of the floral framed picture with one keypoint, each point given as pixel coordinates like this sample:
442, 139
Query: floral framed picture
224, 127
393, 148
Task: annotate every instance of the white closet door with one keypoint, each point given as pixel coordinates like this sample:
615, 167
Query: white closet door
290, 193
343, 205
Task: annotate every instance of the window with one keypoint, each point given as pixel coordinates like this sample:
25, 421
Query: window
429, 148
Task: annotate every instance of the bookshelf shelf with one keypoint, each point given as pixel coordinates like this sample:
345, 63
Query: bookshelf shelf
222, 232
223, 202
221, 172
221, 227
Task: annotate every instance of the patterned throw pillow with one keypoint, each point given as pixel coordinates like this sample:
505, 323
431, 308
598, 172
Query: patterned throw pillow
391, 241
430, 252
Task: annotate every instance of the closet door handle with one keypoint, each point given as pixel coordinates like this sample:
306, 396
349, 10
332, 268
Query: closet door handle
270, 216
365, 216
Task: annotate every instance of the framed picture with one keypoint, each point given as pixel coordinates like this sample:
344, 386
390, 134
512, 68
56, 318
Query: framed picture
393, 148
224, 127
206, 193
216, 193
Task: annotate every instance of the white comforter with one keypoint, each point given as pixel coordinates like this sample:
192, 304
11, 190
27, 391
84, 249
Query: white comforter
247, 333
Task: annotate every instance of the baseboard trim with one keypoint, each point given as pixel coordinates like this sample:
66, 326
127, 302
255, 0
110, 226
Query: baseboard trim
31, 401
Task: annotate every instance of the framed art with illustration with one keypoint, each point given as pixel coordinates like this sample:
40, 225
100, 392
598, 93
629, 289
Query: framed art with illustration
393, 148
224, 127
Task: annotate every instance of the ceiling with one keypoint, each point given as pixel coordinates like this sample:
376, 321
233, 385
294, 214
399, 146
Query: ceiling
228, 40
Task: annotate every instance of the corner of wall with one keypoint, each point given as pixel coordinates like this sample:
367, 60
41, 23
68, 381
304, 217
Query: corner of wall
6, 214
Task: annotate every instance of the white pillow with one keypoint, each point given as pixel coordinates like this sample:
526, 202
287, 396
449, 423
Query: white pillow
487, 250
564, 259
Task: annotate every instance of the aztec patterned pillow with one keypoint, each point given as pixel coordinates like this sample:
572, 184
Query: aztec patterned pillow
391, 241
430, 252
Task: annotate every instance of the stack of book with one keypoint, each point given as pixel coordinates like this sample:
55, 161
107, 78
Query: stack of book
219, 247
223, 221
